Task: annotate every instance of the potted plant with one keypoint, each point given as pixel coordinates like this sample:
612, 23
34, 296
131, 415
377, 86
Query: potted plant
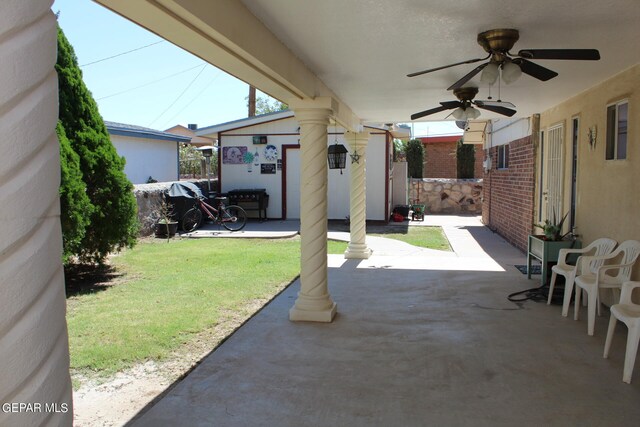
166, 226
552, 229
546, 247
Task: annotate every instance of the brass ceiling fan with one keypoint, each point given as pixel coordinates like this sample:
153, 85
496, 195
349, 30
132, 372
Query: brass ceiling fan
463, 109
498, 43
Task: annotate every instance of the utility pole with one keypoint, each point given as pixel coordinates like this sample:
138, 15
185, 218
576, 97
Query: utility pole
252, 101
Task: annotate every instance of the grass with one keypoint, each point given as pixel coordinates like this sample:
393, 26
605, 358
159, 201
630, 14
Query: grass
425, 237
163, 293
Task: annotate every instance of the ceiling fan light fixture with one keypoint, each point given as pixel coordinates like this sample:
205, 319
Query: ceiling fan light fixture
490, 73
472, 113
459, 114
510, 72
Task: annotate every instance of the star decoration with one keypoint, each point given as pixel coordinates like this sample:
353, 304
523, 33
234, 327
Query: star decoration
355, 158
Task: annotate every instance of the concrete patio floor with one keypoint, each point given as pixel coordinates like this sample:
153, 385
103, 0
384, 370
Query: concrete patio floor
422, 338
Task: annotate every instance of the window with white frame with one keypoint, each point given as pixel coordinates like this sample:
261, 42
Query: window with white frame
503, 156
617, 118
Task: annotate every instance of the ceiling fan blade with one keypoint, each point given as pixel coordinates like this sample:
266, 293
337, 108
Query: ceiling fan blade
535, 70
578, 54
428, 112
482, 103
467, 77
451, 104
469, 61
496, 109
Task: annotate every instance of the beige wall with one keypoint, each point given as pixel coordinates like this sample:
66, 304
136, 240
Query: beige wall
608, 201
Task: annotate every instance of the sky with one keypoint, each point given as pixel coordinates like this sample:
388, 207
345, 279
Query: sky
157, 84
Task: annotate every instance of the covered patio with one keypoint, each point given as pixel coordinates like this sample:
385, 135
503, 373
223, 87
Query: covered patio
420, 339
404, 341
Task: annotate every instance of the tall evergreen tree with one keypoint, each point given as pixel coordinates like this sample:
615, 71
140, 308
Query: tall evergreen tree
113, 220
465, 160
415, 157
75, 205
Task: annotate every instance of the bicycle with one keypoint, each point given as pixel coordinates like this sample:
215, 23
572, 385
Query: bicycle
233, 218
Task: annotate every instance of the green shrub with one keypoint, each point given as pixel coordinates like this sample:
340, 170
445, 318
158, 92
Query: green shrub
74, 202
415, 157
466, 158
113, 219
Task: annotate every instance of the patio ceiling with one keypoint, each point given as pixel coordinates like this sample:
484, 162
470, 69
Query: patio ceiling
359, 52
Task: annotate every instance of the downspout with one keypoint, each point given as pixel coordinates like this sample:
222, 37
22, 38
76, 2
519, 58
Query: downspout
490, 163
535, 142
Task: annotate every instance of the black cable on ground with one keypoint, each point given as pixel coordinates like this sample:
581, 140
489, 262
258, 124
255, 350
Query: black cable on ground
533, 294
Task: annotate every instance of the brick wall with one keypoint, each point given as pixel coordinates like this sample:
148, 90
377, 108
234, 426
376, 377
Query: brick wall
509, 193
440, 158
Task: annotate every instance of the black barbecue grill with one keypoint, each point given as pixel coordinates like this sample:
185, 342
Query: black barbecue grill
254, 199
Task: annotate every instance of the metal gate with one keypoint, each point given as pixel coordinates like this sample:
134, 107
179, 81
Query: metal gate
554, 173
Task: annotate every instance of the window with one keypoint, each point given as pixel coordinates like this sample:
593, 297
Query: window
617, 131
503, 156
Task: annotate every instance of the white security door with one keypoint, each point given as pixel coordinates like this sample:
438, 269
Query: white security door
554, 173
293, 184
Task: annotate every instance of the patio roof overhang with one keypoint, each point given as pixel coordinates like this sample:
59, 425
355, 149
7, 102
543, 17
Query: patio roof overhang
230, 37
358, 53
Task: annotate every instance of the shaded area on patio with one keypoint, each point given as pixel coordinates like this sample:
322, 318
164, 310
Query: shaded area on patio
418, 340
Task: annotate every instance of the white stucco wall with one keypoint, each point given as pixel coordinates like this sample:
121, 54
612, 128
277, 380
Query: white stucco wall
285, 132
147, 157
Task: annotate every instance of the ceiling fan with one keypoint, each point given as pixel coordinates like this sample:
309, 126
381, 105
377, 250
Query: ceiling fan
463, 109
498, 43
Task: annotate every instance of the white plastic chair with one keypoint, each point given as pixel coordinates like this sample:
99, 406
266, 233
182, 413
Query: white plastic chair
628, 313
597, 248
592, 283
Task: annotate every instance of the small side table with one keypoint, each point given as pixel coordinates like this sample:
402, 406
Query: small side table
546, 251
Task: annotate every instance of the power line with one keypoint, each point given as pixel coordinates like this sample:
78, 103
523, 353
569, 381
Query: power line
198, 95
179, 96
148, 84
120, 54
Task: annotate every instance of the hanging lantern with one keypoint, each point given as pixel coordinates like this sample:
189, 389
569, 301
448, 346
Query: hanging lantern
337, 156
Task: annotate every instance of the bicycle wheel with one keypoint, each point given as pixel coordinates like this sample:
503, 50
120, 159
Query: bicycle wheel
191, 220
233, 218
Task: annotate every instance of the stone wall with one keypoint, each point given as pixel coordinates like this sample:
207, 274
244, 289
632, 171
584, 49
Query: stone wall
149, 197
448, 196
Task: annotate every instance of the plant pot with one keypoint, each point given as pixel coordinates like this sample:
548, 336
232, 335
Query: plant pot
166, 229
546, 251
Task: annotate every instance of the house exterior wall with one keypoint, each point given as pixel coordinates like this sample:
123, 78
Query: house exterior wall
147, 158
607, 204
285, 132
508, 193
440, 158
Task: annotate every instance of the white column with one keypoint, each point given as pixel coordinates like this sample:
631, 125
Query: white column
357, 248
314, 302
34, 350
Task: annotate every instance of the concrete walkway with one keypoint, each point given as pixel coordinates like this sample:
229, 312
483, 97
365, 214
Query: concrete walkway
420, 339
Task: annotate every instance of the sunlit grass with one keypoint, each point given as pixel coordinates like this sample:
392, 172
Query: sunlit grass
169, 291
425, 237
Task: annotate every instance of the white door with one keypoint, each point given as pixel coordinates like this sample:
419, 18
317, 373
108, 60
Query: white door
292, 170
554, 173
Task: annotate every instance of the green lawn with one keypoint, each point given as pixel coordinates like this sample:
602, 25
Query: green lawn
426, 237
167, 292
160, 294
